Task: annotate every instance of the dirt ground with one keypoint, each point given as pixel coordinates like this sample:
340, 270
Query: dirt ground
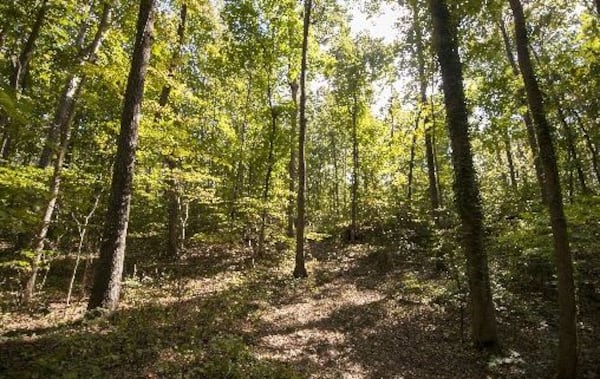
364, 312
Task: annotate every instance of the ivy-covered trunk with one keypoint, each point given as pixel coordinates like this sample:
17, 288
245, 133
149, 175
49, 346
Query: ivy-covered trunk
107, 282
468, 202
567, 350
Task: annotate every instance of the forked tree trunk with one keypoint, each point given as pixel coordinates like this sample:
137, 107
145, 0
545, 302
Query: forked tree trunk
68, 99
299, 267
567, 349
107, 282
468, 202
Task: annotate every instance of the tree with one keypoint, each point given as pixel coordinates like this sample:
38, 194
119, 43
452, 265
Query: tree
64, 119
567, 350
299, 268
20, 70
468, 202
107, 282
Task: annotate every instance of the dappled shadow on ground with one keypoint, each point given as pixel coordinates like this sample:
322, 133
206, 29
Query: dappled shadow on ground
365, 312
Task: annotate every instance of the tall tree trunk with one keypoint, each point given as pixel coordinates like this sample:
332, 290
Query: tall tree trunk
270, 163
68, 100
292, 163
567, 350
107, 282
468, 202
65, 120
355, 167
433, 191
20, 69
531, 138
300, 268
172, 195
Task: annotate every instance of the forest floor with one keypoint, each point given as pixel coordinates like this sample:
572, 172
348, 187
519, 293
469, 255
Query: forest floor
365, 312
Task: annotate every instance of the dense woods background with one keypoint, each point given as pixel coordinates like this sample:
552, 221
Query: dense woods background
258, 188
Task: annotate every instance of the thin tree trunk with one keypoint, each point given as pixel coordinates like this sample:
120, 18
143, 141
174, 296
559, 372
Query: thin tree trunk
590, 146
531, 138
336, 184
38, 241
433, 192
567, 350
107, 282
570, 140
270, 163
299, 267
82, 228
172, 194
355, 167
65, 121
468, 202
292, 163
411, 163
434, 147
509, 161
68, 100
20, 69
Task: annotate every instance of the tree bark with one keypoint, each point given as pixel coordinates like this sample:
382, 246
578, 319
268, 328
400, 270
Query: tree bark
468, 202
300, 268
567, 350
107, 282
